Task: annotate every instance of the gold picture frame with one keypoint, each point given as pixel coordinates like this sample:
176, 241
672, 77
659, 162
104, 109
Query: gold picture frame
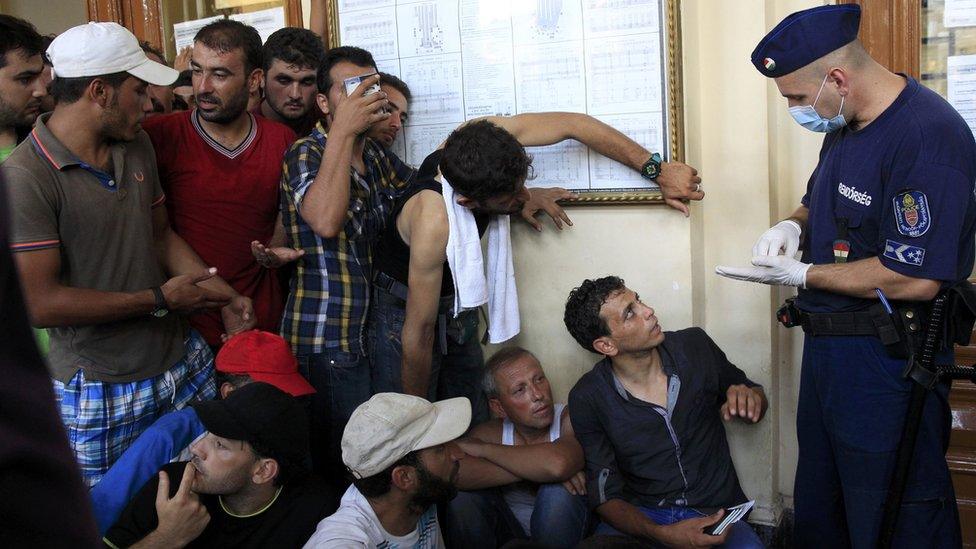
673, 103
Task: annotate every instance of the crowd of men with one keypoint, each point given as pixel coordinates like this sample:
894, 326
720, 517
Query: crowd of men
255, 321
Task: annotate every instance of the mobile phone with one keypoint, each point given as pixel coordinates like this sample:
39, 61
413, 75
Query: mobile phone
351, 83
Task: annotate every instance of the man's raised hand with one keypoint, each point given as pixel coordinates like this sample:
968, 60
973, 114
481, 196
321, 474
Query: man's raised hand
182, 518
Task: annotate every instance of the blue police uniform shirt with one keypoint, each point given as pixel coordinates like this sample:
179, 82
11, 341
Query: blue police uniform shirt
905, 186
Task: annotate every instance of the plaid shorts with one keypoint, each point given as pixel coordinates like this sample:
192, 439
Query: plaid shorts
103, 419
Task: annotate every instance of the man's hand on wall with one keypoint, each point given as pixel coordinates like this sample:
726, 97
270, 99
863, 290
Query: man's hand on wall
744, 403
679, 183
545, 199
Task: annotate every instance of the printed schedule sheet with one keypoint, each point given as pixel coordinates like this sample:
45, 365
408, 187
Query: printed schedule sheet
465, 59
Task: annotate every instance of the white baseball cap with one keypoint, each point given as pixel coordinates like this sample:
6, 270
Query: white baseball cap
97, 49
389, 426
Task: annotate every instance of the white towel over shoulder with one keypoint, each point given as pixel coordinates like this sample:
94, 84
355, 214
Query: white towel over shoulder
471, 287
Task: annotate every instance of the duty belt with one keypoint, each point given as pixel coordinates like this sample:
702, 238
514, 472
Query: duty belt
873, 321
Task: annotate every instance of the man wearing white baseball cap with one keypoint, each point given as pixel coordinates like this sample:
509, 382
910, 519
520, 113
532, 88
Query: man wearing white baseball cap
99, 263
395, 447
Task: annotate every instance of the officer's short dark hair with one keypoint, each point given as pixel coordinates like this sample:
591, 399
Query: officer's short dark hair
17, 34
481, 161
69, 90
582, 316
351, 54
294, 46
227, 35
397, 84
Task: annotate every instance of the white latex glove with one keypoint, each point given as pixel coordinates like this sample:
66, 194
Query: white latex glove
778, 270
783, 236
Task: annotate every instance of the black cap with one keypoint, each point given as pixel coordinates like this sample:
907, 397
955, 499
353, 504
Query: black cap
261, 414
805, 36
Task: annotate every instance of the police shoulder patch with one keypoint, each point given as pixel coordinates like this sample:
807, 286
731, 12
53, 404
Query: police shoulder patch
912, 214
904, 253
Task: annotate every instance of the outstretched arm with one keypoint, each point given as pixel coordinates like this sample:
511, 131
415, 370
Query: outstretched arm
678, 181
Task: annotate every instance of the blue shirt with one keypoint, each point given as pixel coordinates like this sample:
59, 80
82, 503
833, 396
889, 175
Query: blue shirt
158, 445
904, 185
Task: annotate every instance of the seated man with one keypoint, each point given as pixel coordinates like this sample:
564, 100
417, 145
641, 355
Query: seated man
396, 448
657, 461
251, 356
533, 439
246, 485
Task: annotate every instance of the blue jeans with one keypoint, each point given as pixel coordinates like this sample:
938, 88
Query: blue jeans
740, 534
457, 373
341, 382
482, 519
850, 415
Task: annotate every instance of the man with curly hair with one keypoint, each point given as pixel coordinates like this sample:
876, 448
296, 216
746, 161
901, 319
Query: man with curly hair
657, 462
419, 344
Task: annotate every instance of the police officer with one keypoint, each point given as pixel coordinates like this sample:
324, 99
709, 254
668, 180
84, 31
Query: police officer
889, 212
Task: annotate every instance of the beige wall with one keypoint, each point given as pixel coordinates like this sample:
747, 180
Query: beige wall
49, 16
754, 161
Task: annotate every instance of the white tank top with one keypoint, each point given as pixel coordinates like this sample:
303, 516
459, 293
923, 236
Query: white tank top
520, 496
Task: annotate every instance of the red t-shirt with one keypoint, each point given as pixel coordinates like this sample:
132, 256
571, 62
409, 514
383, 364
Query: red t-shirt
219, 200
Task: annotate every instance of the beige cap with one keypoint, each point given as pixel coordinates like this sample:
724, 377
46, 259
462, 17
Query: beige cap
389, 426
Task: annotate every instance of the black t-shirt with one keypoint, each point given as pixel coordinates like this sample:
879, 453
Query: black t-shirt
288, 522
392, 255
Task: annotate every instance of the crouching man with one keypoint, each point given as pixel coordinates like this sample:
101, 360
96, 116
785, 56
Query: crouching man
647, 416
533, 440
246, 485
396, 449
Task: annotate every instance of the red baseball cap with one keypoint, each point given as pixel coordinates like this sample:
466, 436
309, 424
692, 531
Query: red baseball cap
264, 357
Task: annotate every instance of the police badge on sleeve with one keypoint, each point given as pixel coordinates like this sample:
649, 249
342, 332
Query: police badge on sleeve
912, 213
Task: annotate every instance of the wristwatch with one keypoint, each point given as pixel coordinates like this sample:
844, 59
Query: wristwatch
652, 168
161, 309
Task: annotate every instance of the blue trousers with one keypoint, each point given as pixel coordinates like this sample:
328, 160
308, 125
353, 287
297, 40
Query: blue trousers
458, 372
849, 420
741, 535
341, 381
482, 519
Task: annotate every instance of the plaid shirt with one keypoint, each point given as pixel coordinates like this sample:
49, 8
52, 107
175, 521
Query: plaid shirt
329, 295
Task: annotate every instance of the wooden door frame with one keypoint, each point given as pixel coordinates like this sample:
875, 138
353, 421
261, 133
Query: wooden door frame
144, 19
891, 33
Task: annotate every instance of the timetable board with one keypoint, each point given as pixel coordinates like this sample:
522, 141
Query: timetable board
464, 59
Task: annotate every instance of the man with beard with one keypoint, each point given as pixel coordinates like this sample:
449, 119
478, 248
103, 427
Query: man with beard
220, 166
398, 97
161, 96
532, 439
396, 448
291, 62
94, 249
246, 485
22, 85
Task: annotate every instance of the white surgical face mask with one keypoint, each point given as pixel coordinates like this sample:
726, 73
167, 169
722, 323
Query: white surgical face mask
808, 117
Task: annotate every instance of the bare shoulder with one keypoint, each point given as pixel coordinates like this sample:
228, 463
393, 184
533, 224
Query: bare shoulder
489, 431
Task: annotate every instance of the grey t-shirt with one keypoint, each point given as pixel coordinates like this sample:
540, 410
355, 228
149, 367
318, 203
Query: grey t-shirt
102, 225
